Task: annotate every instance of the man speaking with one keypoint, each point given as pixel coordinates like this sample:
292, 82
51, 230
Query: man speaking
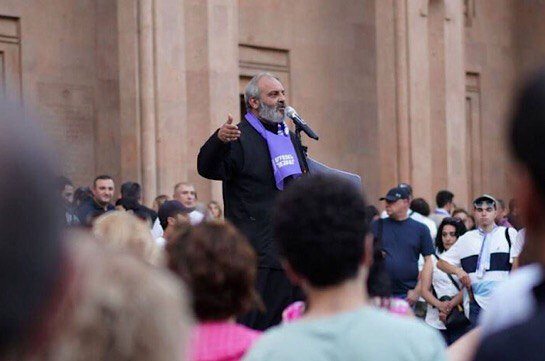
255, 160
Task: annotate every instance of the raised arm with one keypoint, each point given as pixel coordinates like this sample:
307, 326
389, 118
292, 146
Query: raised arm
216, 159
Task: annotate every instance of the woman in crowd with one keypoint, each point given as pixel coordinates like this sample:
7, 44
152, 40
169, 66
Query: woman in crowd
219, 267
465, 217
158, 201
441, 291
124, 231
116, 308
215, 210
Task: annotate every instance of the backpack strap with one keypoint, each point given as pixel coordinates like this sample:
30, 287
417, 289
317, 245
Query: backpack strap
508, 238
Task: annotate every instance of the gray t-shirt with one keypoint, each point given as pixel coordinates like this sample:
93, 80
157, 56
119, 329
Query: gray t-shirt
366, 334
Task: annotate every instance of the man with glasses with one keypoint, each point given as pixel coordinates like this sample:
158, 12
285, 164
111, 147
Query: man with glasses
481, 258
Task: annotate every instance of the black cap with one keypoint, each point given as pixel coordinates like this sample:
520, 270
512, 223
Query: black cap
170, 209
485, 198
395, 194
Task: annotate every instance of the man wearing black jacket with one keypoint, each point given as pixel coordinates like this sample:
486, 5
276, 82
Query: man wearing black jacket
255, 159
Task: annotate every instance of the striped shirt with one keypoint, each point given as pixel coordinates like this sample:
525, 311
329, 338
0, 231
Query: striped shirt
492, 251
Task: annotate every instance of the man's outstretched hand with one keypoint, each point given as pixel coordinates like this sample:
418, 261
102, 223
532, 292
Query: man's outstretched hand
228, 131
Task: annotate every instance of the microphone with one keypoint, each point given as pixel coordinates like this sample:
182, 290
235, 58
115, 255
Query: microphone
290, 112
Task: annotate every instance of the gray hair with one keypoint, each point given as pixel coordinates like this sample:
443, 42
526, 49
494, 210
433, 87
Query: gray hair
252, 90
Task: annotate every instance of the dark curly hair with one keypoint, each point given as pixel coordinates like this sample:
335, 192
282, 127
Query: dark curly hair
458, 225
319, 225
218, 265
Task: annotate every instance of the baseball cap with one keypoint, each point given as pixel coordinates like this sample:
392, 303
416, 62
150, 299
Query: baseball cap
407, 186
396, 193
485, 198
170, 209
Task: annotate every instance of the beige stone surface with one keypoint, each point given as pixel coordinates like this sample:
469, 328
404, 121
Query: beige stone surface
398, 90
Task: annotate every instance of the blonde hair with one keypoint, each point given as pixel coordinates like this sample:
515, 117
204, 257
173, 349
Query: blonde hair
119, 309
124, 231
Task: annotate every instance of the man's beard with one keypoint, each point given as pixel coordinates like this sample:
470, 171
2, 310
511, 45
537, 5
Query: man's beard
271, 113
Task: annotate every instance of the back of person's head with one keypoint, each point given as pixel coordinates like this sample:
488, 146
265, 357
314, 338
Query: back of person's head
131, 190
419, 205
31, 251
319, 225
527, 129
218, 265
459, 211
126, 232
119, 308
459, 228
171, 209
371, 212
443, 198
82, 195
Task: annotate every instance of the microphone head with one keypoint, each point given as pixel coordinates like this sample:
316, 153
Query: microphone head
290, 112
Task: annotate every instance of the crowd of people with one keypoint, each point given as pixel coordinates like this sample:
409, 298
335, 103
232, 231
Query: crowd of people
302, 267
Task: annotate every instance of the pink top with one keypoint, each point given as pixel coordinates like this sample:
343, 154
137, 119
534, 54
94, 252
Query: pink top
395, 305
221, 341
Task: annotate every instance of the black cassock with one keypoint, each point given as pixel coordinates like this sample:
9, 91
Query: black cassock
249, 192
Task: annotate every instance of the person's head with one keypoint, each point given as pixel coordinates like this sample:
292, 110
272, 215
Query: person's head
526, 131
470, 224
103, 189
131, 190
219, 266
265, 97
66, 190
159, 200
397, 203
119, 308
502, 211
465, 217
215, 209
126, 232
172, 213
82, 195
445, 199
371, 213
319, 226
419, 205
185, 193
32, 254
450, 229
484, 210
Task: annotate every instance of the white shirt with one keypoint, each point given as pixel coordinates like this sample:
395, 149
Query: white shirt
513, 301
518, 244
443, 286
427, 222
465, 253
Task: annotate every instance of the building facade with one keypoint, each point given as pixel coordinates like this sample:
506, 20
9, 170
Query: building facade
398, 90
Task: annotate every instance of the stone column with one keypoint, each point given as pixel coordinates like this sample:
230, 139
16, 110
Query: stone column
455, 101
152, 94
402, 91
213, 71
147, 84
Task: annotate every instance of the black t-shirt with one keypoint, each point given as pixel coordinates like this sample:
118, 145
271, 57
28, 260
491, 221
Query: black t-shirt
402, 243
